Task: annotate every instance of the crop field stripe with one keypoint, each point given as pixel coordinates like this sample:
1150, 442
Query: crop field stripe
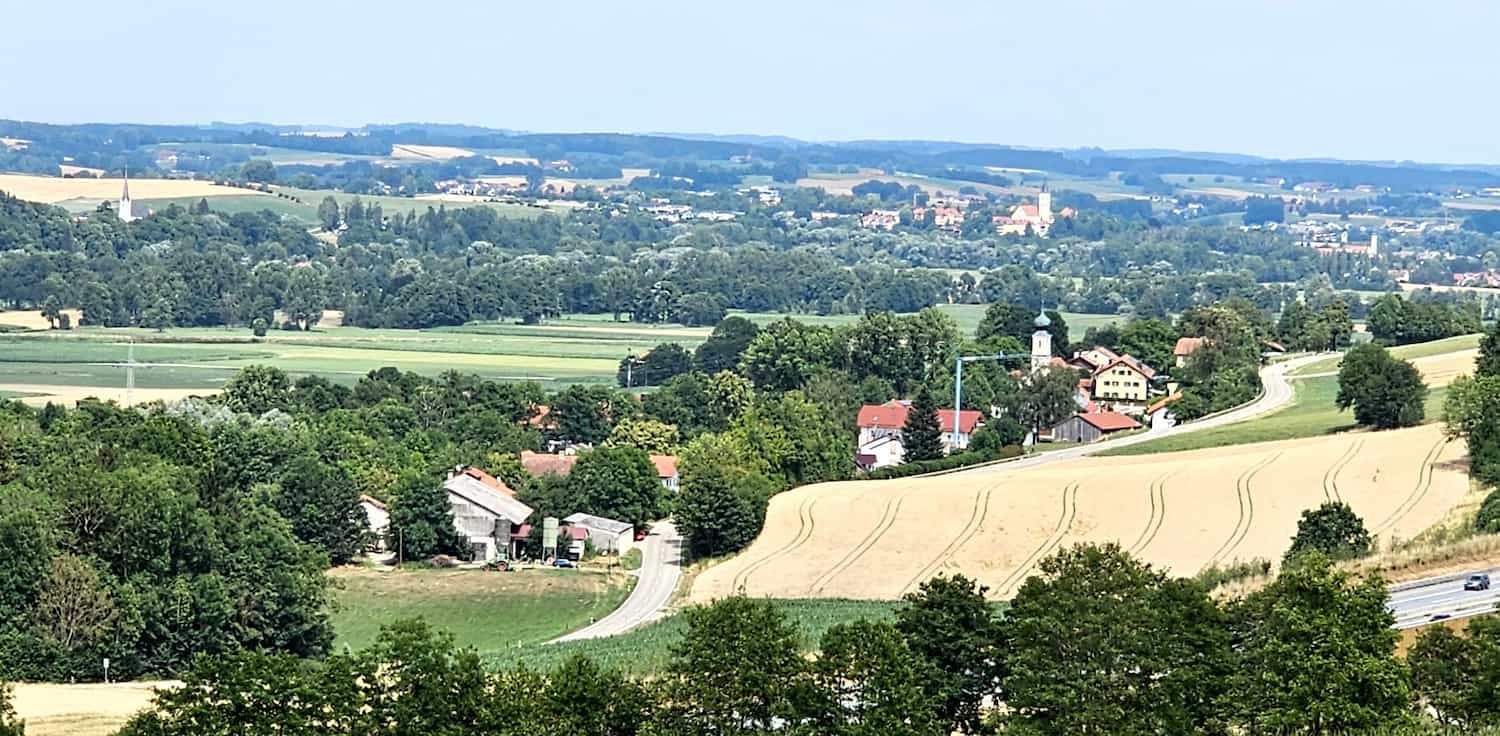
1250, 504
1424, 481
805, 526
970, 529
887, 520
1331, 475
1157, 492
1064, 521
1247, 511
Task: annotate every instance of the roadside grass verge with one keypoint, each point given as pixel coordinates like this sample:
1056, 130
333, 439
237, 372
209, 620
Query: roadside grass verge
1312, 413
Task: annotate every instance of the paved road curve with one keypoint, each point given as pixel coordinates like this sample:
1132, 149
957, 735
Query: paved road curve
661, 568
1278, 393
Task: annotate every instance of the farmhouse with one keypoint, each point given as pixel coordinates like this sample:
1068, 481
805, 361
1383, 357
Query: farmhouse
1185, 347
607, 535
666, 471
377, 518
880, 428
487, 513
1114, 378
1091, 426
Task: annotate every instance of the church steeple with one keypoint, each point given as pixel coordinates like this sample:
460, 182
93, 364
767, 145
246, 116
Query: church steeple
126, 211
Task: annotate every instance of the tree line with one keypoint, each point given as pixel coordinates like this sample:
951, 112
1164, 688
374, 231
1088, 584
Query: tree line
1095, 642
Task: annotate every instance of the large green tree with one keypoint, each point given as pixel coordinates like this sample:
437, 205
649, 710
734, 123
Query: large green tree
1315, 653
422, 519
1332, 529
322, 503
1102, 643
1385, 392
951, 628
738, 670
617, 483
921, 437
1459, 676
721, 507
874, 683
721, 351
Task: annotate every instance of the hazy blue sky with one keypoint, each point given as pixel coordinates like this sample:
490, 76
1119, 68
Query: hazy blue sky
1348, 78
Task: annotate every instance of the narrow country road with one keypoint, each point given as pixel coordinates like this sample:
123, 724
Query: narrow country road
661, 568
1278, 393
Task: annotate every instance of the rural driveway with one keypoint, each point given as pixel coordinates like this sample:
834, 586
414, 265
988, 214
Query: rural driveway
1278, 393
661, 567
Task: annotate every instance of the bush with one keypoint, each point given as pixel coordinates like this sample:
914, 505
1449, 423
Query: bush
1213, 577
1488, 519
951, 462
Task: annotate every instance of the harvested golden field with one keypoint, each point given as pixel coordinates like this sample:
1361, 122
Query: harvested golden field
1180, 511
428, 153
40, 394
1440, 370
51, 189
68, 170
82, 710
32, 319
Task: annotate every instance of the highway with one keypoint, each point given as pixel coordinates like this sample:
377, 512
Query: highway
661, 567
1418, 602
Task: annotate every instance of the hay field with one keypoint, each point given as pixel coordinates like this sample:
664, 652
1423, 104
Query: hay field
69, 170
427, 153
32, 319
82, 710
51, 189
523, 160
1180, 511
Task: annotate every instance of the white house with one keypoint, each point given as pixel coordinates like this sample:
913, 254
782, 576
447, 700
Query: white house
377, 518
880, 431
607, 535
666, 471
486, 512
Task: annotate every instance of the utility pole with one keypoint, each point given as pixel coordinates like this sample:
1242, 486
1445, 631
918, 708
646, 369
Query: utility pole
958, 382
630, 361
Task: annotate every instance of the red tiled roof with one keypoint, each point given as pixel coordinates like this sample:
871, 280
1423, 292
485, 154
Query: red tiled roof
666, 465
892, 415
577, 533
373, 501
489, 480
538, 464
1163, 401
1109, 421
1186, 345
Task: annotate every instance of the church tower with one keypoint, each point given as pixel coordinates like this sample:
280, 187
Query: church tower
125, 211
1041, 343
1044, 204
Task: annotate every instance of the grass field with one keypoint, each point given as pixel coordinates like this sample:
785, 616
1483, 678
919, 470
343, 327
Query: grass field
492, 612
646, 650
575, 349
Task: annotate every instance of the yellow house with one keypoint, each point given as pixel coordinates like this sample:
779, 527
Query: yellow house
1122, 380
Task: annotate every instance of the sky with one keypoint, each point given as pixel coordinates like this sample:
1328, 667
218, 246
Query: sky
1353, 79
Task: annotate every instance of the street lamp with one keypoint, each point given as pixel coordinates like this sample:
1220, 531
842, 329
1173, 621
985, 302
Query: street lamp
958, 382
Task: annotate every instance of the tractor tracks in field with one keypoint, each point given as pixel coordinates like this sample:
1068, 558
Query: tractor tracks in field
888, 517
1418, 491
1053, 540
1331, 476
1242, 491
806, 524
971, 528
1158, 496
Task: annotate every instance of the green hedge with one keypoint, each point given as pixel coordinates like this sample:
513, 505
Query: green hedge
950, 462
